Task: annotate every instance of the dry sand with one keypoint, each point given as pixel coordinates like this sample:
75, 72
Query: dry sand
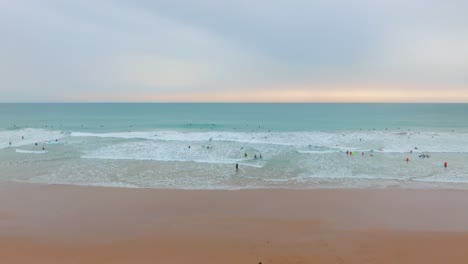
73, 224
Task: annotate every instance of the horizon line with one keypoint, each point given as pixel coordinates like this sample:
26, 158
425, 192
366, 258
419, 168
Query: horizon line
228, 102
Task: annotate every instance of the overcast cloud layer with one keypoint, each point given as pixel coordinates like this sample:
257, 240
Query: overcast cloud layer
356, 50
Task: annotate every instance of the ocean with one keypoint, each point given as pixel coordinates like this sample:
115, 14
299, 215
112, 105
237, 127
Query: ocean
196, 146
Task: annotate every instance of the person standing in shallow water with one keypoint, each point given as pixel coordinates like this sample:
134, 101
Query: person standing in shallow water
237, 167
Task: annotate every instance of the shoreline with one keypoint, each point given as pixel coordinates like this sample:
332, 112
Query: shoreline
90, 224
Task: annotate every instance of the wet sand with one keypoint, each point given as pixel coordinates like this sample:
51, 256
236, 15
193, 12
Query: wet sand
74, 224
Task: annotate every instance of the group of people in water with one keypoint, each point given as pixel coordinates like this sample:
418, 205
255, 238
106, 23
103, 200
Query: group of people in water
255, 156
35, 144
422, 156
350, 153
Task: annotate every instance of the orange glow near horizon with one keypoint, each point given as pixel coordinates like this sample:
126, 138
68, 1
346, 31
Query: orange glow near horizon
323, 94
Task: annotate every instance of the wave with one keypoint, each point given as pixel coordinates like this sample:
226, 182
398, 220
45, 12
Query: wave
31, 151
174, 151
320, 142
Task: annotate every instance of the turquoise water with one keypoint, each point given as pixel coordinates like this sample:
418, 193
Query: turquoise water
195, 146
278, 117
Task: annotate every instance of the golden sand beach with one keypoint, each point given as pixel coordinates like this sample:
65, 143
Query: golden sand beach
73, 224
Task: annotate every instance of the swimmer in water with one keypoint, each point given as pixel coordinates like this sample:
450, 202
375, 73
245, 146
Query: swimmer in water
10, 143
245, 154
255, 156
43, 148
261, 156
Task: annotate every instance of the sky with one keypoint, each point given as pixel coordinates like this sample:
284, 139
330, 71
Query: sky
234, 51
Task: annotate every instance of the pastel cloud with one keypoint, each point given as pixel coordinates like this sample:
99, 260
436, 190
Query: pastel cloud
358, 50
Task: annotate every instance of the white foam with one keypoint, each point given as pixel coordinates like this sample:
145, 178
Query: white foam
317, 151
31, 136
173, 151
324, 142
31, 151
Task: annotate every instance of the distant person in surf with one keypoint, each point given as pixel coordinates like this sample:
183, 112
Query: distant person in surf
237, 166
